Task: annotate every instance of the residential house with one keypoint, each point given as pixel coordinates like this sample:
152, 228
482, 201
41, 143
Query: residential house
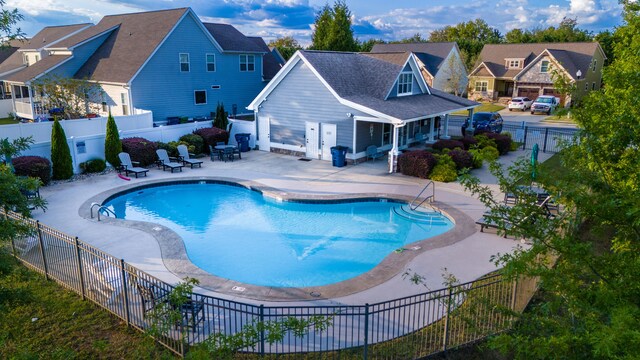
508, 70
440, 63
166, 61
321, 99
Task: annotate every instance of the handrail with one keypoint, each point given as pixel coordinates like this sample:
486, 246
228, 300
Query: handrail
432, 197
101, 207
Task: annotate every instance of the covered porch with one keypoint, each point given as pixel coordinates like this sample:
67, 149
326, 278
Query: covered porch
26, 103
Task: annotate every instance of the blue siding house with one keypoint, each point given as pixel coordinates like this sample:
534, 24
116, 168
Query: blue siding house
166, 61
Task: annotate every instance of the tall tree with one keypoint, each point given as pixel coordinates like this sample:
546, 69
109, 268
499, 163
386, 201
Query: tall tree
112, 143
471, 37
366, 46
322, 29
333, 29
8, 21
75, 97
606, 40
589, 305
61, 161
416, 38
287, 46
567, 31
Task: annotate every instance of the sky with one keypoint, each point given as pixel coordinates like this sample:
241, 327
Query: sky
380, 19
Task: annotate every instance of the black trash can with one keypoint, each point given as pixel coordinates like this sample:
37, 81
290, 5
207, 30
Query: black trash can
243, 141
338, 155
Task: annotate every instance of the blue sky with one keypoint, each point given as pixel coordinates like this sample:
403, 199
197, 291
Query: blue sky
389, 20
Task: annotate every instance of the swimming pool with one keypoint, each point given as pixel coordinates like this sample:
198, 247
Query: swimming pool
236, 233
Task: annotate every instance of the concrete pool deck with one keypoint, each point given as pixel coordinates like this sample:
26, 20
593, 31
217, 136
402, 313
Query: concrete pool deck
467, 258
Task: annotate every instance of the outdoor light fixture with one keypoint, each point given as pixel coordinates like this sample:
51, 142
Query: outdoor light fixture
579, 73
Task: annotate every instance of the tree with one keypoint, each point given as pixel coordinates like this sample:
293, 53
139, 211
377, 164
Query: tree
333, 29
8, 21
567, 31
112, 143
416, 38
471, 37
60, 154
454, 75
11, 149
606, 39
366, 46
589, 304
76, 97
221, 120
287, 46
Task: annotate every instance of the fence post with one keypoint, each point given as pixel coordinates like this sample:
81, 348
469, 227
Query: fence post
41, 243
445, 338
82, 289
546, 133
125, 293
524, 142
261, 330
366, 330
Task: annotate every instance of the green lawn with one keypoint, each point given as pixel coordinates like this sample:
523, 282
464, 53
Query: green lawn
484, 107
40, 320
7, 121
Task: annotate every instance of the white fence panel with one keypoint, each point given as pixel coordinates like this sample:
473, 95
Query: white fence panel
6, 107
243, 126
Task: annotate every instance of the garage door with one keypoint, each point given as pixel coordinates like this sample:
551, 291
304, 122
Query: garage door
555, 93
531, 93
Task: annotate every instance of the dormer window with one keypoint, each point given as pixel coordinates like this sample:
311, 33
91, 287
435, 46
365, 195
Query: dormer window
513, 63
405, 84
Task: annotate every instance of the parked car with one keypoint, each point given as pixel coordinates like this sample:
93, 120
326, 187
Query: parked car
487, 121
520, 103
545, 104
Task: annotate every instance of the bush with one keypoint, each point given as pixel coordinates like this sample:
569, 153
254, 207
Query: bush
194, 142
447, 144
461, 158
93, 166
469, 142
211, 136
484, 141
141, 150
416, 163
112, 143
60, 154
477, 158
514, 145
503, 142
34, 166
445, 170
489, 153
171, 147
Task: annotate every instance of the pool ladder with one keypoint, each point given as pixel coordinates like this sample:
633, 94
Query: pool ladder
414, 204
108, 211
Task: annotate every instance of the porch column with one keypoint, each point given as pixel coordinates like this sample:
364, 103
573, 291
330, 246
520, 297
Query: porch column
432, 135
446, 128
31, 105
394, 150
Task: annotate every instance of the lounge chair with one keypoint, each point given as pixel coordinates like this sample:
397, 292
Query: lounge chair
166, 162
497, 221
372, 153
128, 166
184, 157
104, 279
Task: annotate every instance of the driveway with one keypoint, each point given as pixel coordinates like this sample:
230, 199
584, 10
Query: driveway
532, 120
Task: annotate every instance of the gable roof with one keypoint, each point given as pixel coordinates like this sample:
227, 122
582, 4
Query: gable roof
232, 40
432, 55
270, 63
133, 39
362, 81
573, 56
50, 34
39, 68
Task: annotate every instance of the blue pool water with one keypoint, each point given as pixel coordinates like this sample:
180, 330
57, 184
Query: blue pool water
236, 233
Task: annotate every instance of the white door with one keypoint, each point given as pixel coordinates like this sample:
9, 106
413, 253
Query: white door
312, 138
264, 133
328, 139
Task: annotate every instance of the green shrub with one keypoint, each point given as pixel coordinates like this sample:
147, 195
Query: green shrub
93, 166
112, 143
489, 153
416, 163
469, 142
447, 144
445, 170
194, 142
141, 150
221, 120
477, 158
503, 142
60, 154
484, 141
34, 166
462, 158
171, 147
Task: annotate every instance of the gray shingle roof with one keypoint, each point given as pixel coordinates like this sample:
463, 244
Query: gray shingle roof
40, 67
432, 55
366, 80
270, 64
128, 47
573, 56
230, 39
50, 34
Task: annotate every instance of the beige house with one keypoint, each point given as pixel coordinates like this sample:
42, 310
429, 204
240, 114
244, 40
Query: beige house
504, 71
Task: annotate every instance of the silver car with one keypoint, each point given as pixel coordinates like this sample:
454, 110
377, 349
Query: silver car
520, 103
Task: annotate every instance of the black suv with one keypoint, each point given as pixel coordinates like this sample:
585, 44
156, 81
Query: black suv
487, 121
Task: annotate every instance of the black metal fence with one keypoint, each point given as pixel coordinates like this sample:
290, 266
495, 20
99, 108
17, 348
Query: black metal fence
549, 139
411, 327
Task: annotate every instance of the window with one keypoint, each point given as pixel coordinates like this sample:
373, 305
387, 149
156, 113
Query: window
215, 87
482, 85
38, 59
247, 63
544, 66
586, 86
593, 86
211, 62
595, 65
386, 134
200, 97
125, 103
184, 62
405, 82
513, 64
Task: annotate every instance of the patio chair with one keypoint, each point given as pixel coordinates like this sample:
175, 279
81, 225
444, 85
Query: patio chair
227, 154
166, 162
127, 165
214, 153
151, 295
184, 157
372, 153
192, 313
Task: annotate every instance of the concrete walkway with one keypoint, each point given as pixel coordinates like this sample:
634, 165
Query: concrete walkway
466, 259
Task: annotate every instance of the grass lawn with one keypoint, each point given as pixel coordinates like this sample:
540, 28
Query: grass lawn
484, 107
559, 118
7, 121
41, 320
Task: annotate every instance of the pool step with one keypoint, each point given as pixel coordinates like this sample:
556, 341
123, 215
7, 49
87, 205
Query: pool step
422, 215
